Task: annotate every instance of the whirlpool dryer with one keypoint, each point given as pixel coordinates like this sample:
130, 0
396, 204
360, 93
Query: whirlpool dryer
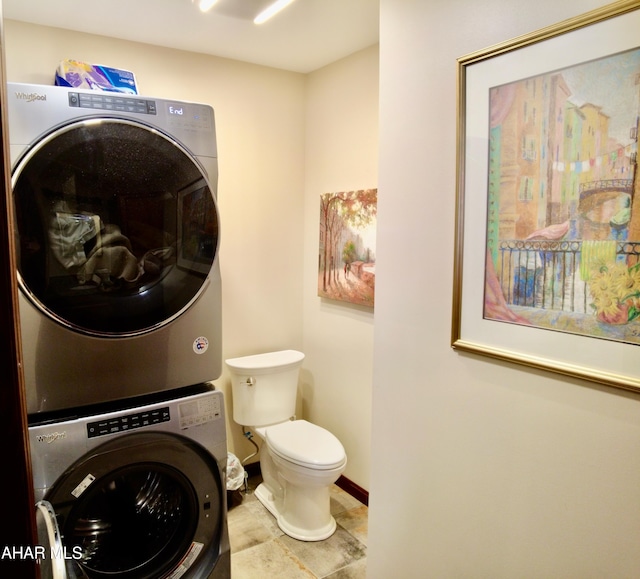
136, 491
117, 237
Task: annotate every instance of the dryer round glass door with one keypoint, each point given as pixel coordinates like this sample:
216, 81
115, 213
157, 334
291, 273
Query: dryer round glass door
117, 226
144, 505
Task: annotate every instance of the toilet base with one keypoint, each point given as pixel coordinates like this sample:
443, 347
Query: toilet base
320, 532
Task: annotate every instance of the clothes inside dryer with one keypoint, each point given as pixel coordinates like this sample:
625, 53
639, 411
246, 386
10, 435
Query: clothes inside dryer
117, 226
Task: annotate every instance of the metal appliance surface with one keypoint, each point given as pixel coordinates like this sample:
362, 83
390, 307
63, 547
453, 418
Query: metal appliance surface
117, 234
137, 491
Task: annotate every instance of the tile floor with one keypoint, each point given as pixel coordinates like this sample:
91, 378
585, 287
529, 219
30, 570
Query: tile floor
260, 550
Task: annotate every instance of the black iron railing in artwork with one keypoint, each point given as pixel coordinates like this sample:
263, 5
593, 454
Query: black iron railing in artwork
546, 274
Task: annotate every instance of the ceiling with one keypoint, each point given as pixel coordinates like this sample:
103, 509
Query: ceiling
305, 36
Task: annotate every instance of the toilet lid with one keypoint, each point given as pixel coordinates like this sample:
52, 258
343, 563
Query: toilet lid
306, 444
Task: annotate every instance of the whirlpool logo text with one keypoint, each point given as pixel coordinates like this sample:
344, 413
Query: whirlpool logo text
30, 96
51, 437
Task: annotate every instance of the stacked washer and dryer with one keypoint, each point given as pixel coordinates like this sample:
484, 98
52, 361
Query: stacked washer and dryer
117, 234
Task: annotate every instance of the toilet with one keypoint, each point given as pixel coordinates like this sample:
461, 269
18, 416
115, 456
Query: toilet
299, 460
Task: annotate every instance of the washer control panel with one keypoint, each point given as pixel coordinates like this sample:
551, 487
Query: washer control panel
128, 422
196, 412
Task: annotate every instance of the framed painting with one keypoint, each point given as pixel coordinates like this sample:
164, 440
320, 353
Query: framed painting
547, 248
347, 249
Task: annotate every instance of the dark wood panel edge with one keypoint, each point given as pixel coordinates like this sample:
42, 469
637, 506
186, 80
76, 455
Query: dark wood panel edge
356, 491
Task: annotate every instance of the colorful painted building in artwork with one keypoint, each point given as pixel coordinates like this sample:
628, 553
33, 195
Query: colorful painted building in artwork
552, 162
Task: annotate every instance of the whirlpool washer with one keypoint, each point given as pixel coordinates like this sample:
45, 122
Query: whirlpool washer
137, 492
117, 235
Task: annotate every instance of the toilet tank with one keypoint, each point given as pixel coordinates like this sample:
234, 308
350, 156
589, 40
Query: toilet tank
264, 387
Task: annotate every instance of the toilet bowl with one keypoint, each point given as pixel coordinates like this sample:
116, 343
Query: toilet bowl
299, 460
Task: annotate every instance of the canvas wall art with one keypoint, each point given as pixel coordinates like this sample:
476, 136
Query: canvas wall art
347, 250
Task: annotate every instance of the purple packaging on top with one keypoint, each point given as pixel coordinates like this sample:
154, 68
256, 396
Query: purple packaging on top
76, 74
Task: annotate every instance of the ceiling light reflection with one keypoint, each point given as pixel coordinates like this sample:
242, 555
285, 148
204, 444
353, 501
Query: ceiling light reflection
271, 10
205, 5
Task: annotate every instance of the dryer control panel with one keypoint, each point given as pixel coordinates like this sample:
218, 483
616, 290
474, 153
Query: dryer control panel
110, 102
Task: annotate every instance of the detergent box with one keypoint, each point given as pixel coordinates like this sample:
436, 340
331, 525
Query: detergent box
76, 74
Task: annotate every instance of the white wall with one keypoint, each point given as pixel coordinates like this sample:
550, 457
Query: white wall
341, 155
479, 468
260, 116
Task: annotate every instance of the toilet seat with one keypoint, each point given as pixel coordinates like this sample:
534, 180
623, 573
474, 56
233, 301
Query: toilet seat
305, 444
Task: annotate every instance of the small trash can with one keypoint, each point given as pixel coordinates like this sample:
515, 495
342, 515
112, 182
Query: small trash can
235, 473
235, 480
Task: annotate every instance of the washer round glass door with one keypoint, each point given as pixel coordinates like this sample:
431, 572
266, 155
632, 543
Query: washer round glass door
117, 226
143, 506
52, 551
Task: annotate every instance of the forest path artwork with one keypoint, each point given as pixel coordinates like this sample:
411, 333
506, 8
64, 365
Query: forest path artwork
347, 287
563, 219
346, 258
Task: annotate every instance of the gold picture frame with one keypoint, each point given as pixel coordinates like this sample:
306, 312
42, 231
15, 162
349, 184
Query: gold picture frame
548, 199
